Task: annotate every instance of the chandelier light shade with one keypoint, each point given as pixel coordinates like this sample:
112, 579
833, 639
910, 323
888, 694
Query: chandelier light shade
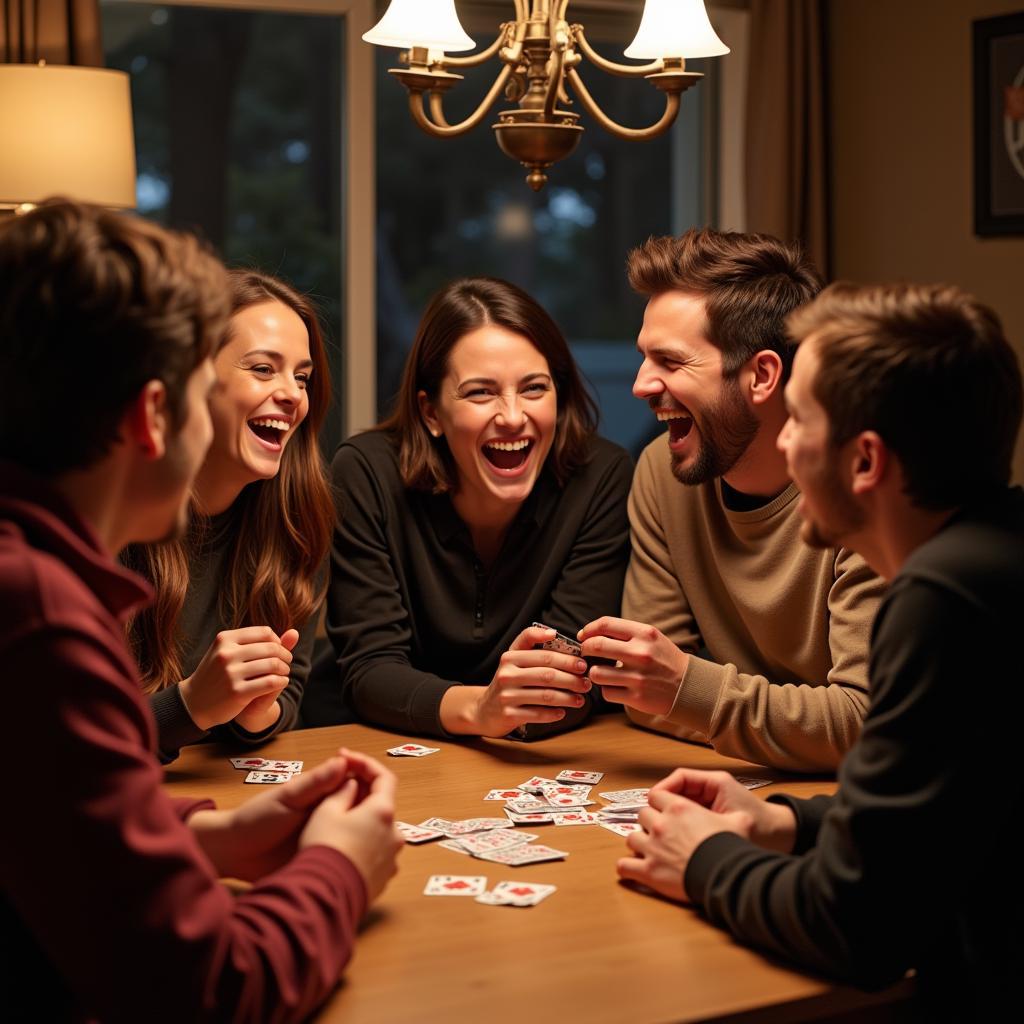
432, 24
539, 52
67, 131
675, 28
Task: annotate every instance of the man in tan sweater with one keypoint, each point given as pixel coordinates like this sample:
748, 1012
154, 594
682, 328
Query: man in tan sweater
717, 565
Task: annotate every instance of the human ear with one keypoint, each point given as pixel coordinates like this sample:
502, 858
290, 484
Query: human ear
869, 462
429, 414
765, 369
147, 421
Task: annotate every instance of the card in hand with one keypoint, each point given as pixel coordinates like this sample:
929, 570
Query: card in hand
559, 642
455, 885
574, 775
749, 783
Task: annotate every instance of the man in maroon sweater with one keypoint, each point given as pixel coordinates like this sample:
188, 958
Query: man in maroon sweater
111, 904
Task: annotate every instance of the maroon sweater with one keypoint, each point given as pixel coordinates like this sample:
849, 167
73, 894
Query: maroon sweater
110, 909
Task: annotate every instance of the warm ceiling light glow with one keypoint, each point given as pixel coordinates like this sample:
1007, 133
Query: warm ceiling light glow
432, 24
675, 28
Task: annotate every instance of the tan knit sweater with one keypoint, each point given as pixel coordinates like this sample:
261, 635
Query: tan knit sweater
786, 627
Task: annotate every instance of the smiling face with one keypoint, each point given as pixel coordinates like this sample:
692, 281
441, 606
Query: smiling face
260, 398
497, 410
829, 510
709, 423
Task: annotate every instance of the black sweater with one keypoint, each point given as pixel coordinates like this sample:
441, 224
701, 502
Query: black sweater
411, 610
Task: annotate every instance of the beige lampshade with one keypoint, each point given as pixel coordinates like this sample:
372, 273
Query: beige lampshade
432, 24
66, 131
675, 28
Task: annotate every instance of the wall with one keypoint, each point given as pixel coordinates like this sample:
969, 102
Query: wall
901, 151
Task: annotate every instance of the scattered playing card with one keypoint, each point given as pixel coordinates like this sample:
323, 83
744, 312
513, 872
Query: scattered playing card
583, 792
493, 899
416, 834
268, 778
470, 825
248, 763
412, 750
294, 767
527, 805
526, 854
533, 818
570, 775
620, 809
576, 818
523, 894
504, 794
537, 784
455, 885
611, 814
620, 828
441, 824
626, 796
454, 845
497, 839
568, 800
749, 783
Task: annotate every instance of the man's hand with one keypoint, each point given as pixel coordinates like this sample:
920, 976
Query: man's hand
649, 666
364, 832
529, 686
688, 807
240, 667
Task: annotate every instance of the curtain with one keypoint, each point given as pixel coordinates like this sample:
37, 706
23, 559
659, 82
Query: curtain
786, 146
57, 31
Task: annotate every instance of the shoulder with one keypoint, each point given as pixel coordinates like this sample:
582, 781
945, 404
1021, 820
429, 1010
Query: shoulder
605, 458
365, 457
978, 555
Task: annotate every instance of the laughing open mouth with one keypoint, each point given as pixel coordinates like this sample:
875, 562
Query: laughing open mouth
270, 431
507, 454
679, 423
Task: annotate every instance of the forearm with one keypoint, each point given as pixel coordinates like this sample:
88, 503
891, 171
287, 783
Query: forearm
396, 696
174, 725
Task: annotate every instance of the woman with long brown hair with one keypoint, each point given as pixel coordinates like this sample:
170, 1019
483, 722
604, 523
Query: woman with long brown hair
487, 501
227, 643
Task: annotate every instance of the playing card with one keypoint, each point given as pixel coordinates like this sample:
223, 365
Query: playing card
572, 775
523, 894
248, 763
620, 828
610, 814
533, 818
576, 818
415, 834
454, 845
620, 809
441, 824
455, 885
567, 800
583, 792
504, 794
528, 805
268, 777
294, 767
526, 854
497, 839
493, 899
412, 750
749, 783
470, 825
537, 784
626, 796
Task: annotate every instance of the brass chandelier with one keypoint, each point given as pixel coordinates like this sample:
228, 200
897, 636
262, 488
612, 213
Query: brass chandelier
539, 52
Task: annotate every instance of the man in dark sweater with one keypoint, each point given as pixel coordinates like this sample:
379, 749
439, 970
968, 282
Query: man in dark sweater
111, 907
904, 405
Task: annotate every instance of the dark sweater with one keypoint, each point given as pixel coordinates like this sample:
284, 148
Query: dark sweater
411, 610
913, 862
200, 622
109, 908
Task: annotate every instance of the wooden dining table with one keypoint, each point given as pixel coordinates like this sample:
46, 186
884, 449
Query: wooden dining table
597, 951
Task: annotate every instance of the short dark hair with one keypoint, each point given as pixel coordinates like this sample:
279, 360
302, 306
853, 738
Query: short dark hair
94, 304
905, 360
749, 284
456, 310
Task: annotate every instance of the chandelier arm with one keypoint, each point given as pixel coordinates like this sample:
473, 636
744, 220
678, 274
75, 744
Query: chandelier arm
437, 109
445, 130
554, 81
522, 11
483, 55
652, 131
622, 70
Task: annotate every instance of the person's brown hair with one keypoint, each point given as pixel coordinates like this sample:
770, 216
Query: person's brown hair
749, 284
457, 309
94, 304
283, 528
928, 368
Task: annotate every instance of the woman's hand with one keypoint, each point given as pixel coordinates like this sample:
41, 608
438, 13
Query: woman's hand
529, 686
242, 668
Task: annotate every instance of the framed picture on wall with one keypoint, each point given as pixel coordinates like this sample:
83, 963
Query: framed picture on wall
999, 125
